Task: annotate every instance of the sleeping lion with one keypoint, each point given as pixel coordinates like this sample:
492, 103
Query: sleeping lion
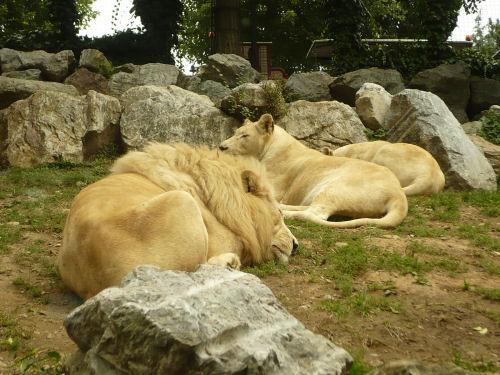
416, 169
174, 207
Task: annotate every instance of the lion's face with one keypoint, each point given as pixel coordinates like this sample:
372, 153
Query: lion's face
251, 138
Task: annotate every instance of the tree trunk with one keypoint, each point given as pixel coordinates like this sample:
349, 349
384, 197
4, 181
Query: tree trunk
227, 26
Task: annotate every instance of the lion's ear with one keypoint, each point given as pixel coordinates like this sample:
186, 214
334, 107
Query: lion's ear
266, 123
251, 182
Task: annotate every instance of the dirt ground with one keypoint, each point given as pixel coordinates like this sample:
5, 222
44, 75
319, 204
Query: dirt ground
437, 303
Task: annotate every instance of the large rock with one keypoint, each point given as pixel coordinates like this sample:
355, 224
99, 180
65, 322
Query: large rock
148, 74
331, 124
450, 82
228, 69
372, 104
410, 367
422, 118
472, 127
484, 93
95, 61
33, 74
344, 87
172, 114
312, 86
54, 66
212, 321
490, 150
216, 91
84, 80
53, 126
12, 89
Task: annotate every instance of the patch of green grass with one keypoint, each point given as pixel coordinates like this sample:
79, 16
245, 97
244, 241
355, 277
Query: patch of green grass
266, 269
492, 294
11, 334
403, 264
416, 247
8, 235
493, 315
479, 236
487, 201
361, 303
359, 368
351, 260
445, 206
37, 361
490, 266
473, 365
33, 290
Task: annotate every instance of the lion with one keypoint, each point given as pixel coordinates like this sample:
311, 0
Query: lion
313, 186
415, 168
175, 207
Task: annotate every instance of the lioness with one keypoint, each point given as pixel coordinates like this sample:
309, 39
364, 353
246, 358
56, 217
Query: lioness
313, 186
174, 207
417, 171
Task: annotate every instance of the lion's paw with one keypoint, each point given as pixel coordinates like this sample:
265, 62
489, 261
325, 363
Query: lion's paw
226, 260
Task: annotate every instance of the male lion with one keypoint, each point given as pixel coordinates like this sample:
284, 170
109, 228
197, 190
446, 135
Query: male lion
417, 171
174, 207
314, 186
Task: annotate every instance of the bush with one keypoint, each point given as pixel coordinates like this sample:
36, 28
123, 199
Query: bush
491, 126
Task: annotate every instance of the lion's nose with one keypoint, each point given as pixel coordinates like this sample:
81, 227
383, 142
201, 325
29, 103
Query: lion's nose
295, 247
223, 148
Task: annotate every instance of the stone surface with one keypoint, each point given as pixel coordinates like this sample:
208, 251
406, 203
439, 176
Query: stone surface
422, 118
250, 95
54, 66
53, 126
12, 89
172, 114
312, 86
213, 321
190, 83
228, 69
84, 80
411, 367
148, 74
32, 74
331, 124
490, 150
372, 104
472, 127
216, 91
484, 93
127, 68
344, 87
94, 60
450, 82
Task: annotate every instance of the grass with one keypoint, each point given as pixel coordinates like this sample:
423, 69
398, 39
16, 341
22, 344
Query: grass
361, 303
266, 269
473, 365
11, 334
30, 288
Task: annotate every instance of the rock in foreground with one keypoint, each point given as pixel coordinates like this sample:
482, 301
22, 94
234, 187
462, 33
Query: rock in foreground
212, 321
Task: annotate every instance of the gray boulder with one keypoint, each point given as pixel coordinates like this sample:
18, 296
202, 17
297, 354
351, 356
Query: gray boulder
190, 83
148, 74
12, 89
213, 321
54, 66
491, 152
4, 161
32, 74
484, 93
450, 82
472, 127
344, 87
84, 80
312, 86
323, 124
95, 61
422, 118
372, 104
172, 114
52, 126
410, 367
216, 91
228, 69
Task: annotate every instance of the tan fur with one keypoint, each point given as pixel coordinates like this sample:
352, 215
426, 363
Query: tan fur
416, 169
174, 207
313, 186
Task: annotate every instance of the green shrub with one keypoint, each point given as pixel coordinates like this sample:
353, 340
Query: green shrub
491, 126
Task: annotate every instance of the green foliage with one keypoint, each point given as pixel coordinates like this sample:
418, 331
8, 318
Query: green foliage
490, 129
40, 362
376, 135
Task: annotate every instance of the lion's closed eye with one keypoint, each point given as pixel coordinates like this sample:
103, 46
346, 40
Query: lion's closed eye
243, 135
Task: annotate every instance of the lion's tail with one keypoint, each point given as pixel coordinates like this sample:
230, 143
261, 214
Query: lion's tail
396, 213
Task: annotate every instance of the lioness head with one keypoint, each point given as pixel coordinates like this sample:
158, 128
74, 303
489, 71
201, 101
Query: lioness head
283, 243
251, 138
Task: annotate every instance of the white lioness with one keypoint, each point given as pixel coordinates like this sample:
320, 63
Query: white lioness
417, 171
314, 186
174, 207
